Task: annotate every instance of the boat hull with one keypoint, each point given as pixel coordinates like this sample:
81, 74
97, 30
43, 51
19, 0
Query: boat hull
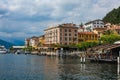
3, 52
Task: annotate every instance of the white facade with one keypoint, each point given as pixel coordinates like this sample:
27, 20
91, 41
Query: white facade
33, 42
94, 24
52, 36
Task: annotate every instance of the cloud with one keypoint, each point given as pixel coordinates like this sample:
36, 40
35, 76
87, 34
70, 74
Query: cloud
25, 18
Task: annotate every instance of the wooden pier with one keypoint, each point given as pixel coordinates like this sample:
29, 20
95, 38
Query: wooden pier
103, 60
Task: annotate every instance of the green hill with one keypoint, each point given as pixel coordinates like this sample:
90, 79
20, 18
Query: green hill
5, 43
113, 16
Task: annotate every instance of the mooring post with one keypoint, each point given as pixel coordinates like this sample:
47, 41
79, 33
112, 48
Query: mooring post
118, 69
84, 59
81, 59
118, 62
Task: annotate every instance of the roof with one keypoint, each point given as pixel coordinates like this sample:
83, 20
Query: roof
2, 46
87, 33
92, 21
67, 25
106, 47
41, 36
34, 37
18, 46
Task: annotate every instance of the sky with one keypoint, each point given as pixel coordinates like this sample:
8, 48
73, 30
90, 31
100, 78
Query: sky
20, 19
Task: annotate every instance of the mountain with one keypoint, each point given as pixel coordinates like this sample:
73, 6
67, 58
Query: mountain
15, 41
5, 43
113, 16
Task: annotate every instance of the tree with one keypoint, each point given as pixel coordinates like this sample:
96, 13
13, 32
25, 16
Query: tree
29, 48
108, 32
110, 38
85, 45
113, 16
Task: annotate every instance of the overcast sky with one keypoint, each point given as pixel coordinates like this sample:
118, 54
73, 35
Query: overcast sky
25, 18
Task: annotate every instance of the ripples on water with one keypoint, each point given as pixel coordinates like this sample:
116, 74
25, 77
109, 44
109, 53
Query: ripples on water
33, 67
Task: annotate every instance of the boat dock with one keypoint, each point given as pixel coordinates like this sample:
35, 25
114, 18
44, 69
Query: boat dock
102, 60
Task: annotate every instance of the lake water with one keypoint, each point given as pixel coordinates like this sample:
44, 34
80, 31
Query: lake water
33, 67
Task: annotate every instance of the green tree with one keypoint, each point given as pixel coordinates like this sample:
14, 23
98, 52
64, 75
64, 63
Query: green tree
29, 48
113, 16
110, 38
85, 45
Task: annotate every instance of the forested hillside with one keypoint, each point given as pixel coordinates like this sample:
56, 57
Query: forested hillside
113, 16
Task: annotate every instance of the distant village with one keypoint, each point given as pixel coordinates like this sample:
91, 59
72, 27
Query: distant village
70, 33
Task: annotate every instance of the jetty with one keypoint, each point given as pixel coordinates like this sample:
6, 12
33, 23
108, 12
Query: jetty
104, 53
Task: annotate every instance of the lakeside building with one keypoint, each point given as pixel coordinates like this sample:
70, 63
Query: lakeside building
33, 41
62, 34
41, 40
89, 26
27, 42
112, 27
87, 36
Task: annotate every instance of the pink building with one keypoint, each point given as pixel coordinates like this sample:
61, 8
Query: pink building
62, 34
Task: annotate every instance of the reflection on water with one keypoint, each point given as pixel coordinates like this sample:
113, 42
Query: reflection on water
32, 67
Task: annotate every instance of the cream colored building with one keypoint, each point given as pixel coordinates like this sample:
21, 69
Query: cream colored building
62, 34
33, 41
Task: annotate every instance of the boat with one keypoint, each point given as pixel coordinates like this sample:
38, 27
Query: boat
3, 50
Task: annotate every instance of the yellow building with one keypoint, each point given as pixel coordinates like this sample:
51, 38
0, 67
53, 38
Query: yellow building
87, 36
41, 40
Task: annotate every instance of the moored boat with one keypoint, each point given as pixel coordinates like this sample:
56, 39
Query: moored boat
3, 50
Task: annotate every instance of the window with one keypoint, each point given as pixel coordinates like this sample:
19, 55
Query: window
69, 34
65, 30
69, 30
60, 38
75, 34
65, 43
60, 30
65, 39
75, 30
60, 34
69, 39
65, 34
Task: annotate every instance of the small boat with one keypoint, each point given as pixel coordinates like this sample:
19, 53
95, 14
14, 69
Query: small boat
3, 50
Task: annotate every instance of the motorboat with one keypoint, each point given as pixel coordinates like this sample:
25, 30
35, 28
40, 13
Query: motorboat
3, 50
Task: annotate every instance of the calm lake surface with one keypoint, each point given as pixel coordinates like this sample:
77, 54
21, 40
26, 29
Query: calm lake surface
33, 67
